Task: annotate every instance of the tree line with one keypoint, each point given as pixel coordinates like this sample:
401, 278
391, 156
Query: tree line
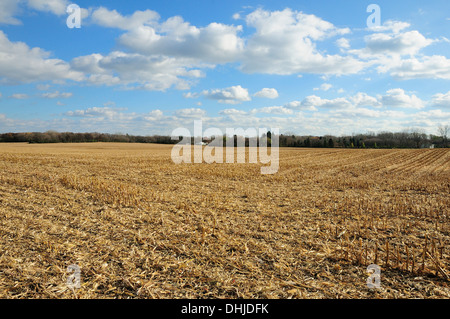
68, 137
369, 140
405, 139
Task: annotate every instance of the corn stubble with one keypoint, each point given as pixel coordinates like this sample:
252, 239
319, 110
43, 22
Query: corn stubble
139, 226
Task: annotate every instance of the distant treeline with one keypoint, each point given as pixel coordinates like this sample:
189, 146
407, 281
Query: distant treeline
410, 139
67, 137
370, 140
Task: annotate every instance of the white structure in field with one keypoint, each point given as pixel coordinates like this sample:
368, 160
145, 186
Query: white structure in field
213, 152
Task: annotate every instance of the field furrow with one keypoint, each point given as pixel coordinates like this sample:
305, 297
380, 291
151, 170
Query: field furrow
139, 226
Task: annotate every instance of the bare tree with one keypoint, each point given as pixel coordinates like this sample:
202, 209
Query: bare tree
444, 131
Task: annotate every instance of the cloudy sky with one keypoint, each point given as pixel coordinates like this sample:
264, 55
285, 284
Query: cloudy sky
148, 67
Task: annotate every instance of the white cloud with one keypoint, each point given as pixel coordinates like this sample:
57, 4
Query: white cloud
316, 101
267, 93
43, 87
393, 26
441, 100
19, 96
190, 113
398, 98
190, 95
363, 99
57, 7
101, 112
113, 19
395, 98
284, 43
7, 10
336, 116
387, 52
232, 112
298, 105
57, 95
214, 43
273, 110
359, 112
136, 71
433, 115
324, 87
343, 43
153, 115
19, 63
428, 67
232, 95
408, 43
113, 115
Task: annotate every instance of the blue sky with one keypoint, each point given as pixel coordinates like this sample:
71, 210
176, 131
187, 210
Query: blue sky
148, 67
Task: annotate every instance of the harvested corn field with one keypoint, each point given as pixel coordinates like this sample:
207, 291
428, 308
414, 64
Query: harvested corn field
139, 226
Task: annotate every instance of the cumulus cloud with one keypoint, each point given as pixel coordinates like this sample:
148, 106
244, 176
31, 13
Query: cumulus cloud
324, 87
391, 25
274, 110
113, 19
190, 95
398, 98
57, 7
407, 43
8, 9
267, 93
19, 96
284, 43
343, 43
428, 67
108, 112
344, 118
190, 113
393, 50
56, 95
433, 115
363, 99
114, 116
298, 105
43, 87
214, 43
154, 73
232, 95
21, 64
441, 100
362, 112
395, 98
316, 101
232, 112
